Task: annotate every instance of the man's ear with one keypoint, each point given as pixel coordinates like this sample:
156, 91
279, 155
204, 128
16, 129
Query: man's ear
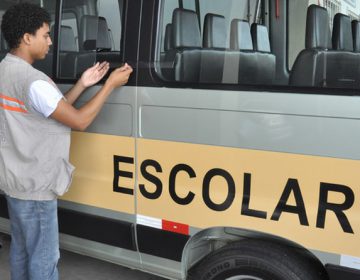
27, 38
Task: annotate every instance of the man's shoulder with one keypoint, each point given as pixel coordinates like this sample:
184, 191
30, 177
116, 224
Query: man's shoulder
23, 66
37, 73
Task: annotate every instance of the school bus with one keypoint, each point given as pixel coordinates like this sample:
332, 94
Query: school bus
232, 153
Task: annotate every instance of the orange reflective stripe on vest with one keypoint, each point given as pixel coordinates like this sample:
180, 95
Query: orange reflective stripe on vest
12, 104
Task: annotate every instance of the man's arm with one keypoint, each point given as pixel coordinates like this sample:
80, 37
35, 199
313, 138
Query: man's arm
80, 119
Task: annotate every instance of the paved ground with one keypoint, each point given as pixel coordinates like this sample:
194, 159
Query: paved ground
77, 267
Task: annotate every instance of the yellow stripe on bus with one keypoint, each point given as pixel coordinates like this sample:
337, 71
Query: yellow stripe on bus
310, 200
270, 176
92, 154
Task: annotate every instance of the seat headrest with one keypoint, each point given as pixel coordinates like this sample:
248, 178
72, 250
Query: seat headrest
67, 38
168, 40
260, 37
317, 28
240, 37
103, 37
94, 33
355, 26
186, 30
214, 31
342, 35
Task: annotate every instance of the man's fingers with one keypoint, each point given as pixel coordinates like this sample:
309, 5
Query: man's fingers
103, 65
95, 65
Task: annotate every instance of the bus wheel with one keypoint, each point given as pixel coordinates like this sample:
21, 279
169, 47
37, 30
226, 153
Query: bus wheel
258, 260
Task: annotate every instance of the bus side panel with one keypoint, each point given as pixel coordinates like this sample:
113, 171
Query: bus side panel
210, 159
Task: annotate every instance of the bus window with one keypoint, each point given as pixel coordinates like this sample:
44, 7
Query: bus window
216, 44
189, 5
90, 32
105, 9
207, 42
321, 44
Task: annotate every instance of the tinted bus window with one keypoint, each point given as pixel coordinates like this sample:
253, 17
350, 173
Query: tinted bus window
106, 9
216, 44
189, 4
88, 34
235, 44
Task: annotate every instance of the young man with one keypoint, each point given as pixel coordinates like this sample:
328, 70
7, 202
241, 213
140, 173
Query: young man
35, 124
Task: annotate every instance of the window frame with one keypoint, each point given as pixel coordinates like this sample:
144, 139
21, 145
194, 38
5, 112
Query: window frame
56, 58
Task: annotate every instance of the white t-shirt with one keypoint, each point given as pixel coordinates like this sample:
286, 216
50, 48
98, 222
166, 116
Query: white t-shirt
44, 97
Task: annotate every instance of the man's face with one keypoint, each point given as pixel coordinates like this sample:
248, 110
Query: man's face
40, 42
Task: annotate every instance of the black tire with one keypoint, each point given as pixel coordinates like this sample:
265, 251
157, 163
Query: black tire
258, 260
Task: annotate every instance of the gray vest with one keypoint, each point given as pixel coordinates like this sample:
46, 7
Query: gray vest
34, 150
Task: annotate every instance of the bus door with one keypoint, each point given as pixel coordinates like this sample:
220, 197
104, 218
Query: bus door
96, 215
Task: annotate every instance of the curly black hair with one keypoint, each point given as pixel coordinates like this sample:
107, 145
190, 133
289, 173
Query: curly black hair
20, 19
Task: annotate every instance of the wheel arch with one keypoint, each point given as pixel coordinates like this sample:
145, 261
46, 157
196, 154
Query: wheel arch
208, 240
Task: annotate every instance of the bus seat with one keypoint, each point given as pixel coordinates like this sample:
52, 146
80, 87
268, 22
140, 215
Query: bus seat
88, 32
240, 36
168, 40
317, 28
67, 42
214, 31
260, 38
168, 56
94, 34
342, 69
95, 45
186, 29
71, 66
67, 46
185, 57
213, 52
95, 37
309, 66
265, 59
355, 26
342, 35
241, 59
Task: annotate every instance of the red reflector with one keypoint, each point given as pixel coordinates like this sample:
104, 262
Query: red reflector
175, 227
